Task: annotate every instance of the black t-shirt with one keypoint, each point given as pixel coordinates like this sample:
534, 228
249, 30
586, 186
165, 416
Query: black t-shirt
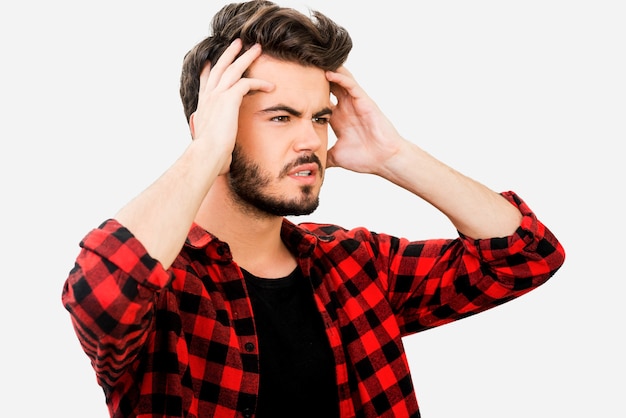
297, 369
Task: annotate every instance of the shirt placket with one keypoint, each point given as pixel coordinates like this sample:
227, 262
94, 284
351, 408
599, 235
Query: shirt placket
238, 301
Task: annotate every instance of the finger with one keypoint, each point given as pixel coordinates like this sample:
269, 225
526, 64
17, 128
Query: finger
228, 56
337, 83
338, 91
211, 76
204, 76
235, 71
246, 85
343, 83
345, 71
340, 75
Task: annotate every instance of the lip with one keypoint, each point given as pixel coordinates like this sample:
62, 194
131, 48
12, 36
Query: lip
312, 178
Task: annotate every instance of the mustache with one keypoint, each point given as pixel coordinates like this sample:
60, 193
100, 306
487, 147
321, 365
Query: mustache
303, 159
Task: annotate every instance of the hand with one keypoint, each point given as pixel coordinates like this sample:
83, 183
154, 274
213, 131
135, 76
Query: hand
366, 139
222, 89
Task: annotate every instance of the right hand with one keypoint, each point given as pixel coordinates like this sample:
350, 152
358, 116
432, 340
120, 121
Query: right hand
222, 89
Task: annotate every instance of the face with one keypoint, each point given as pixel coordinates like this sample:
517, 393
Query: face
278, 163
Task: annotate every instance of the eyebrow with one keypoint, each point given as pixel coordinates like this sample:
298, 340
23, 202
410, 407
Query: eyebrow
288, 109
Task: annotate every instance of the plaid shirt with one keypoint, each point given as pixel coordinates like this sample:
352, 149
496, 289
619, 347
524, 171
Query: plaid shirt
182, 342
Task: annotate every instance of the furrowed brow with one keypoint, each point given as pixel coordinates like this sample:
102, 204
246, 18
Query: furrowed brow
324, 112
282, 108
288, 109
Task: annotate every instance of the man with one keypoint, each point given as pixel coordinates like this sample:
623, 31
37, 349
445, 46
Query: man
200, 299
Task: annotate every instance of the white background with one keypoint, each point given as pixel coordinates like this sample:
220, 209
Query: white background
527, 96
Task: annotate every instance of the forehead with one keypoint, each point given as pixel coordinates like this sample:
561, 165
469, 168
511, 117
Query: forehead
292, 81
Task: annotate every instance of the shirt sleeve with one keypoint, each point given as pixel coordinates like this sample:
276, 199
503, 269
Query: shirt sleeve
110, 294
433, 282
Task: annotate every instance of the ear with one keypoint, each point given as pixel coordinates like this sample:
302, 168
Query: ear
192, 126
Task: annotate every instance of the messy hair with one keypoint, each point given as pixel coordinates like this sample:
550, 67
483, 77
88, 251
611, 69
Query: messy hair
283, 33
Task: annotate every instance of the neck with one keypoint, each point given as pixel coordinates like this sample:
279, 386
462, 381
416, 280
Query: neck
253, 237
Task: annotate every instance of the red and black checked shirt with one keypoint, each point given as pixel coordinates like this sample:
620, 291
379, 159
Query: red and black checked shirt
182, 343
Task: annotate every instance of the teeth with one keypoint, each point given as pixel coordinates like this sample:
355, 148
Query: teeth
303, 173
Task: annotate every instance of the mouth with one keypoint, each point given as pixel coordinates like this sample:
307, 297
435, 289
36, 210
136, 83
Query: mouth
304, 171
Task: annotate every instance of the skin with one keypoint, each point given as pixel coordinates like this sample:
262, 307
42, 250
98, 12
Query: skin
232, 109
274, 129
285, 133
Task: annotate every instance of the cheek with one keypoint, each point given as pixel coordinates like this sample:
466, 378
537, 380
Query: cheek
331, 139
326, 144
323, 153
252, 139
247, 129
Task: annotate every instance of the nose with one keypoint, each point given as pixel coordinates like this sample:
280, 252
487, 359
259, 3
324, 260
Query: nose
310, 136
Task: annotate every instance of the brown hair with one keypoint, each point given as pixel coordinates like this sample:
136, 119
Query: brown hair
284, 33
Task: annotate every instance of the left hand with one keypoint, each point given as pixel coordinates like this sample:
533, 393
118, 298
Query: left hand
367, 142
366, 139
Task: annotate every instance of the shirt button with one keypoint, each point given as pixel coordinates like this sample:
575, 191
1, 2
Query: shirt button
249, 347
247, 413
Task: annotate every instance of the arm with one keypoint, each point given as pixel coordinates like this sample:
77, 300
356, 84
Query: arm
368, 143
111, 294
160, 217
434, 282
503, 251
125, 264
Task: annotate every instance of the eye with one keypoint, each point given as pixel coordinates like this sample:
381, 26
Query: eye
321, 121
283, 118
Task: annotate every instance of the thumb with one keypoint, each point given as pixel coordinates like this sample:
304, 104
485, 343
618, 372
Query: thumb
330, 158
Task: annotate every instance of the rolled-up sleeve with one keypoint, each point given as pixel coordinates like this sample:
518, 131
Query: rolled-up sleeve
110, 294
434, 282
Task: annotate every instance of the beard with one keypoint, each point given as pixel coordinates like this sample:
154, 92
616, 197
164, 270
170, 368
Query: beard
248, 181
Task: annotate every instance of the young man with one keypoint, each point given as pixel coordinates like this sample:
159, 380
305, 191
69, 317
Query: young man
200, 299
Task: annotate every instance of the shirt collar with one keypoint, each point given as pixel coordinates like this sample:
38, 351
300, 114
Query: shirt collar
198, 237
299, 240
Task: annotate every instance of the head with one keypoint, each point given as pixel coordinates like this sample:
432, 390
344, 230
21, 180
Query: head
284, 33
287, 37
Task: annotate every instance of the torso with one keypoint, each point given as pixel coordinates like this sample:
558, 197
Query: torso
297, 369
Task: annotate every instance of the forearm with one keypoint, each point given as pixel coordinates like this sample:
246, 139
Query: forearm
475, 210
160, 216
466, 276
367, 142
110, 294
